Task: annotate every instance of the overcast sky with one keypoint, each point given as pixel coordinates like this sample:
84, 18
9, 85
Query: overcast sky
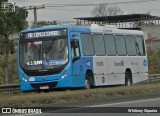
68, 13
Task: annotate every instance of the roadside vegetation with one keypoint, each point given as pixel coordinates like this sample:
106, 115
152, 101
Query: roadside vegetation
154, 60
11, 23
13, 72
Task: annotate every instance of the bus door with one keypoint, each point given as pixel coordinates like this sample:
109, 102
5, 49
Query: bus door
77, 67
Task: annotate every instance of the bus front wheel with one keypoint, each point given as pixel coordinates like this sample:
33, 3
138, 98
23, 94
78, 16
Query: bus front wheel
88, 80
87, 84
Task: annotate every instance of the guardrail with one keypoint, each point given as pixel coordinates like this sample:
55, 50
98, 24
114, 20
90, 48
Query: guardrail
9, 88
16, 87
153, 76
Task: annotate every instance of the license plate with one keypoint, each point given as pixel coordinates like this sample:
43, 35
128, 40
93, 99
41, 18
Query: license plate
44, 87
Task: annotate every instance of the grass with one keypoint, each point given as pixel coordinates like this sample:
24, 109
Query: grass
35, 99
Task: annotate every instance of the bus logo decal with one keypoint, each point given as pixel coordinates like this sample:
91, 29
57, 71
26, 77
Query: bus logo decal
100, 63
134, 63
88, 63
121, 63
145, 63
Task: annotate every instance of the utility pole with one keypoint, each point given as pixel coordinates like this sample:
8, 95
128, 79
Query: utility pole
34, 9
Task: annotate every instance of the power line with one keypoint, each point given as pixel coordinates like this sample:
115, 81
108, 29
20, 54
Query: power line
68, 5
64, 9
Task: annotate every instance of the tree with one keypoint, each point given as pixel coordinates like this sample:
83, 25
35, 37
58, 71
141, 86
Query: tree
105, 10
10, 22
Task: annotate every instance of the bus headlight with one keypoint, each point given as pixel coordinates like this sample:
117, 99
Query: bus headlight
31, 79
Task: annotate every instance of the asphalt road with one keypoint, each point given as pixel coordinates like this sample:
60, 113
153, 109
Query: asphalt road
132, 106
136, 106
140, 106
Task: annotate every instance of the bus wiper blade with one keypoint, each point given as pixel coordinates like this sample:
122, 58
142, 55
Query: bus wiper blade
42, 70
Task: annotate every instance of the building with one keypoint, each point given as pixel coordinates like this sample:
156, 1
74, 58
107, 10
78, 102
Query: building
149, 24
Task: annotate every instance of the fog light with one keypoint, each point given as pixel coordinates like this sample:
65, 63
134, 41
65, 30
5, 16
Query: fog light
24, 79
65, 73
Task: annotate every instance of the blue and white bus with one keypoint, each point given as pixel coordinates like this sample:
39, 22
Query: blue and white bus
74, 57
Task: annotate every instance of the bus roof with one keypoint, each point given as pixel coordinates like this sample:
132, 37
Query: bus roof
69, 27
94, 28
112, 29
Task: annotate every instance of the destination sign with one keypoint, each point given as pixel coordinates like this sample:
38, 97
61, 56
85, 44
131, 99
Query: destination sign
43, 34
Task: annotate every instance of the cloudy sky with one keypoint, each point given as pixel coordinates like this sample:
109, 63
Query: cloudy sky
67, 13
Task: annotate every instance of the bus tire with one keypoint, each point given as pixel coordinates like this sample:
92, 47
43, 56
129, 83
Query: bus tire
128, 78
87, 84
88, 80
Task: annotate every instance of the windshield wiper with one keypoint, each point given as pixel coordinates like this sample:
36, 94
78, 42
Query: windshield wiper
42, 70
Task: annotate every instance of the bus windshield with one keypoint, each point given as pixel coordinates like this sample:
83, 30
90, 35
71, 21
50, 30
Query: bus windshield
43, 54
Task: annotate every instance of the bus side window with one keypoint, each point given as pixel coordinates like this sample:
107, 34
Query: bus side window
140, 45
75, 50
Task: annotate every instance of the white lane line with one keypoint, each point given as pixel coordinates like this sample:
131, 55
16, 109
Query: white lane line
124, 102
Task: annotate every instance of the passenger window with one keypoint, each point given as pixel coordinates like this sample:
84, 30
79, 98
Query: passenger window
130, 44
99, 45
87, 44
110, 45
140, 45
120, 45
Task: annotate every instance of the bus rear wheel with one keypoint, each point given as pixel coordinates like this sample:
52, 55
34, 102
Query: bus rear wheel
128, 78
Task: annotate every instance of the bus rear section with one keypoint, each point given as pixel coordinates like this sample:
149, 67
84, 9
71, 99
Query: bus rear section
119, 56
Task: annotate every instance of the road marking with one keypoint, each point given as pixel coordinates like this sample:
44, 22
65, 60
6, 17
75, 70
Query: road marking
124, 102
